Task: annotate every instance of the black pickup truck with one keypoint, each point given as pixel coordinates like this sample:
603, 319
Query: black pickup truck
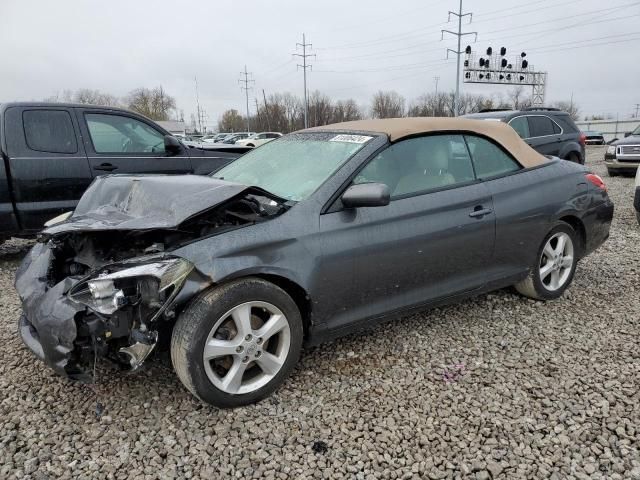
51, 152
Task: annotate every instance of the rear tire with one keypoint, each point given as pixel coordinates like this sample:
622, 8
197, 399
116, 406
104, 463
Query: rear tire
574, 157
236, 343
555, 266
612, 173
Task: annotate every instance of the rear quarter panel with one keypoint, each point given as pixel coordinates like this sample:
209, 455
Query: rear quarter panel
527, 204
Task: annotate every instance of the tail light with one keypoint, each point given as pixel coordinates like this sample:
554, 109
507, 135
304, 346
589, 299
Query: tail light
596, 180
583, 139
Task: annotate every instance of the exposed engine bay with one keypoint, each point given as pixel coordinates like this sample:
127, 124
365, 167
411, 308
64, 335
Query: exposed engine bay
124, 285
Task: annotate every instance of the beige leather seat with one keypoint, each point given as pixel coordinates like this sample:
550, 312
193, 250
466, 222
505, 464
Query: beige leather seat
429, 171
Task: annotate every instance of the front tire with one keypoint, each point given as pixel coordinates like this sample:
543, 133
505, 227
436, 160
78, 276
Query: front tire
555, 265
236, 343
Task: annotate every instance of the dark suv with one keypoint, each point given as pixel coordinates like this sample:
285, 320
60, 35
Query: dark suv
548, 130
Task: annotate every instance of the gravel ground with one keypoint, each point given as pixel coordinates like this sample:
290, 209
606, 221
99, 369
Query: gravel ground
495, 387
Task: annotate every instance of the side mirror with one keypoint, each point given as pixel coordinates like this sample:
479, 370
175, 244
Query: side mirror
172, 145
366, 195
627, 134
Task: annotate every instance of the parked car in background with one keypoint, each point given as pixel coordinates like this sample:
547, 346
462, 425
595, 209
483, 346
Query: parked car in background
259, 139
232, 139
548, 130
623, 155
593, 138
208, 138
321, 233
219, 136
51, 152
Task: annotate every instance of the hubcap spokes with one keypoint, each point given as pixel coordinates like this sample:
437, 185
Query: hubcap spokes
556, 261
255, 352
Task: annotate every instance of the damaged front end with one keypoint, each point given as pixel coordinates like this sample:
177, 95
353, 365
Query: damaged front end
94, 290
116, 312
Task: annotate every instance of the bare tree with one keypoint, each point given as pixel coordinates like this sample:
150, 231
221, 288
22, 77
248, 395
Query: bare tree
320, 109
570, 107
232, 121
345, 111
85, 96
387, 105
517, 99
153, 103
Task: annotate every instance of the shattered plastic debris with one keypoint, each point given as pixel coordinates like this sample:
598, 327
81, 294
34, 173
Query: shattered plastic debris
453, 373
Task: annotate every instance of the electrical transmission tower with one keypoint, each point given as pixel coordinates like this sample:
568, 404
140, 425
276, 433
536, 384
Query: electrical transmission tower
246, 81
458, 52
304, 67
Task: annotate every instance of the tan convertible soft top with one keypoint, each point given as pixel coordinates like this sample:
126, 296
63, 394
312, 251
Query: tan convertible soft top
399, 128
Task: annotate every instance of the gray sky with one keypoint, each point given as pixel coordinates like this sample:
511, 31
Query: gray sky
361, 47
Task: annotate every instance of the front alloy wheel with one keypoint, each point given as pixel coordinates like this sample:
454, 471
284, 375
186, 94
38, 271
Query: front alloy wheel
237, 342
247, 347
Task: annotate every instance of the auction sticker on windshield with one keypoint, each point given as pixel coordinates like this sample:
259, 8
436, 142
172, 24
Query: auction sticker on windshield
351, 138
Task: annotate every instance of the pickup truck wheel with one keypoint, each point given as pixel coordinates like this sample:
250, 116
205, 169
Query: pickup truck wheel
612, 173
236, 343
555, 265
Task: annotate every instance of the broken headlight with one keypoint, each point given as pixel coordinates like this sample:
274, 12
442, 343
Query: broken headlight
110, 290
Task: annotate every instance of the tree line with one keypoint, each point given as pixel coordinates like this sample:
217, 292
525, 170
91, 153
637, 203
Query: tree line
284, 112
153, 103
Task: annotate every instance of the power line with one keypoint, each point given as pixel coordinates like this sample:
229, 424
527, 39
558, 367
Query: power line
304, 67
246, 80
458, 52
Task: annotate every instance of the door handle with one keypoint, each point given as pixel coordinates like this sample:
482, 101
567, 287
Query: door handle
105, 167
480, 212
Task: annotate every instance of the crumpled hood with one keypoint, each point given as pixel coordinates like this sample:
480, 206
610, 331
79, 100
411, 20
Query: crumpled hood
141, 202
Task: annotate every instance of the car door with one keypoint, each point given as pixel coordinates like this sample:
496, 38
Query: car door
433, 240
117, 142
544, 135
517, 195
48, 168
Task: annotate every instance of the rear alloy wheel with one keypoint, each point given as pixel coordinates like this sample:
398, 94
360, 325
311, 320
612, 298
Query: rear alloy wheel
555, 267
236, 343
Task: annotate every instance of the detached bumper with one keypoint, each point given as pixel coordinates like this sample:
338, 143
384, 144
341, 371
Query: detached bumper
47, 325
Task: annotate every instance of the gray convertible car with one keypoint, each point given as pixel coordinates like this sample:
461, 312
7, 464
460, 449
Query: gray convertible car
307, 238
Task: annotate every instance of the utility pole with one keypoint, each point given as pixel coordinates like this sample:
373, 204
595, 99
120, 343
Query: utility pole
437, 79
458, 52
257, 111
246, 81
304, 67
266, 110
198, 105
637, 109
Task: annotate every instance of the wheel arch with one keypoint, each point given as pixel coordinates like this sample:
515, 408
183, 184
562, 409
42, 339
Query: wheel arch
579, 227
294, 290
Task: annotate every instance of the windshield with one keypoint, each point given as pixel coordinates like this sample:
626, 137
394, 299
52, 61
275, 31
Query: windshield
294, 166
636, 131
